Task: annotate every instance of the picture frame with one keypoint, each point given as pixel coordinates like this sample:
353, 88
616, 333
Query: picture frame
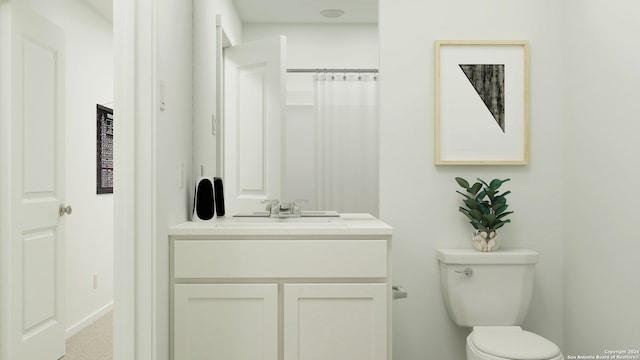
481, 102
104, 150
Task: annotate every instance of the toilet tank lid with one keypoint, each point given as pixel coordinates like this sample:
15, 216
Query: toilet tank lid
470, 256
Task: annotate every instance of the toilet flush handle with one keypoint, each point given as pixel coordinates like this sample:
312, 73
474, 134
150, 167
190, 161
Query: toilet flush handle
467, 271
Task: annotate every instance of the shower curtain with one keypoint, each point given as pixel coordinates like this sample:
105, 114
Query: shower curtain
346, 141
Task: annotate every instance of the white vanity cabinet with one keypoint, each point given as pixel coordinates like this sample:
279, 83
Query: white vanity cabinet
286, 292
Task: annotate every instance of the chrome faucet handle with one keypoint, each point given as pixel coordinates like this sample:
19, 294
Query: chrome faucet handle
296, 206
272, 204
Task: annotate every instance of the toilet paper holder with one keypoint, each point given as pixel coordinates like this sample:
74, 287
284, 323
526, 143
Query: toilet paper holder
398, 292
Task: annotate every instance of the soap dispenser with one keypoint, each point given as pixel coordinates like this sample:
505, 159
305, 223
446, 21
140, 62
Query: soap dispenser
204, 207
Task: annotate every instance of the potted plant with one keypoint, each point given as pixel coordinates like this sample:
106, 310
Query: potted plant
486, 209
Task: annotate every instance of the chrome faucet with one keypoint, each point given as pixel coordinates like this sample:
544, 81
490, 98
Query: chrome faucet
277, 209
296, 206
271, 206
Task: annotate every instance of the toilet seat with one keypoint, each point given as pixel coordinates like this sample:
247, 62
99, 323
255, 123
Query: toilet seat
511, 342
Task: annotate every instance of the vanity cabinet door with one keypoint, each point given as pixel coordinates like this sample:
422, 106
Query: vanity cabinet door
335, 321
225, 321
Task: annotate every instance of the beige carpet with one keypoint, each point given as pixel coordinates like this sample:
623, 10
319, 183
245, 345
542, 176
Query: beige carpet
95, 342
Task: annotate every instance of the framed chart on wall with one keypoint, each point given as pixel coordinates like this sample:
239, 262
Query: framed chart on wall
104, 150
481, 102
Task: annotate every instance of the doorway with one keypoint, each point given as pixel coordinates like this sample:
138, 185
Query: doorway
88, 245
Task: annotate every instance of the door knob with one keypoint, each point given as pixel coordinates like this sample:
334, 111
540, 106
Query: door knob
65, 210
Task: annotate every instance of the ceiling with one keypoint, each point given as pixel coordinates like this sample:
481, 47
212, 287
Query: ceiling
104, 7
284, 11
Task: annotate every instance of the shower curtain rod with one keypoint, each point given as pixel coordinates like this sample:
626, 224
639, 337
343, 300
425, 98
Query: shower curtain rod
332, 70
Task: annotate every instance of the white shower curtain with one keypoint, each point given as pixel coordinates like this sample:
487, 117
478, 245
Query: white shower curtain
346, 120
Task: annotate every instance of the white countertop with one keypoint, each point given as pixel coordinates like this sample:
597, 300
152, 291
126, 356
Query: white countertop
346, 224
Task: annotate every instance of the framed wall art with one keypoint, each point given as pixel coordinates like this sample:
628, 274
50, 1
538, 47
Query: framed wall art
481, 102
104, 150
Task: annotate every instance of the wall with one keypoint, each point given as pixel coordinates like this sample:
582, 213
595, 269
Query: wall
89, 237
5, 177
602, 290
172, 146
418, 198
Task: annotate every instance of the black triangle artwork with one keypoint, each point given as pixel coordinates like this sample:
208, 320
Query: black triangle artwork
488, 81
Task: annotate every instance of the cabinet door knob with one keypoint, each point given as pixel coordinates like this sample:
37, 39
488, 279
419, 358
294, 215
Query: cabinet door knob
65, 210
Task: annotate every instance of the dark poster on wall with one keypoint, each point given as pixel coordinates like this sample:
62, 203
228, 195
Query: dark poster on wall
104, 150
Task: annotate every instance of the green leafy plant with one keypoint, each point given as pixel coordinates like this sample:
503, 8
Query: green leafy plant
485, 206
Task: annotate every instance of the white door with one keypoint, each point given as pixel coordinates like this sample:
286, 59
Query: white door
37, 153
335, 321
225, 321
254, 106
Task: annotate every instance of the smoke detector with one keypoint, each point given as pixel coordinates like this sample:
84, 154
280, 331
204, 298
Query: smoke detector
332, 13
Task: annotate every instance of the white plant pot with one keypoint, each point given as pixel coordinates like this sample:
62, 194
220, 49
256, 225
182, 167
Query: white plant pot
485, 241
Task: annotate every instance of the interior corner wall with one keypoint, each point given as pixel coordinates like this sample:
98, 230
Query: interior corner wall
418, 198
89, 236
602, 252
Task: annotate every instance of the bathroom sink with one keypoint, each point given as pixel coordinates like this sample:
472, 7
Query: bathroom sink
289, 225
319, 213
261, 219
303, 214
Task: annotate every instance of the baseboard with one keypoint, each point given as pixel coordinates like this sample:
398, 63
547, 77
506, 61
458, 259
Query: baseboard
76, 328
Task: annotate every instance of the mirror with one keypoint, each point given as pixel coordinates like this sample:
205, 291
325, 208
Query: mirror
330, 129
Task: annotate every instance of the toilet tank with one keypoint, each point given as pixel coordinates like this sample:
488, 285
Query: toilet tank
495, 292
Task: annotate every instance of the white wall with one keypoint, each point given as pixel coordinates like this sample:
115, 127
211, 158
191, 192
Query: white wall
89, 236
602, 289
5, 177
172, 147
418, 198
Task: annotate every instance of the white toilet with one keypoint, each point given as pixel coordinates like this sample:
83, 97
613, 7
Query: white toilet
491, 293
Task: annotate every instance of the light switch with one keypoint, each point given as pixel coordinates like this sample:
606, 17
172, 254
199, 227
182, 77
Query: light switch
162, 95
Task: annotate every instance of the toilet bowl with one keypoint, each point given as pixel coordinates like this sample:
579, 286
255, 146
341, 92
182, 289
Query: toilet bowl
509, 343
491, 293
